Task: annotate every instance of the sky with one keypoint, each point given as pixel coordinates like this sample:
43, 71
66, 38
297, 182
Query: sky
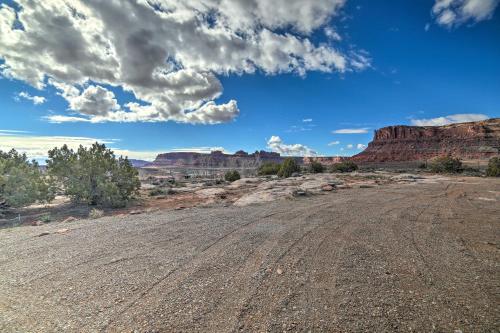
292, 76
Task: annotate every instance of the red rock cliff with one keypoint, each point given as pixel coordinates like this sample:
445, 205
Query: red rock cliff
474, 140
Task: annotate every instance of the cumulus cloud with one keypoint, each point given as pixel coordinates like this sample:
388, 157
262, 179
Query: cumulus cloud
94, 101
360, 146
451, 119
307, 120
277, 145
37, 100
451, 13
349, 146
334, 143
351, 130
166, 53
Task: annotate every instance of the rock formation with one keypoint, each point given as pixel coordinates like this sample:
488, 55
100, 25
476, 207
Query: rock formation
218, 159
215, 159
473, 140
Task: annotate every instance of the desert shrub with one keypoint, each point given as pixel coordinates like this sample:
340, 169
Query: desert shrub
93, 176
422, 165
269, 168
288, 167
445, 164
45, 218
21, 181
346, 166
157, 191
316, 167
493, 169
231, 176
95, 213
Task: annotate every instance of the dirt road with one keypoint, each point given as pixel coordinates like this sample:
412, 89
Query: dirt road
405, 257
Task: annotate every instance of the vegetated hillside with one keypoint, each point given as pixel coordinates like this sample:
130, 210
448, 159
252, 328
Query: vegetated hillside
472, 140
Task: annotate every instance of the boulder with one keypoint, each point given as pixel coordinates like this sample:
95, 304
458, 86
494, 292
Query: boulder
327, 188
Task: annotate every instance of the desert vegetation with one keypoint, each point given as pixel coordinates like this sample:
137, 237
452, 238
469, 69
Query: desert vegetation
493, 169
446, 164
346, 166
269, 169
316, 167
288, 168
232, 176
93, 176
21, 182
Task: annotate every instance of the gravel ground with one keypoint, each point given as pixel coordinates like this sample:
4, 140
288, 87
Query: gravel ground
402, 257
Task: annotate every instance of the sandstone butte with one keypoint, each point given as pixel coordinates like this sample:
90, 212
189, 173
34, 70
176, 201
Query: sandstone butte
472, 140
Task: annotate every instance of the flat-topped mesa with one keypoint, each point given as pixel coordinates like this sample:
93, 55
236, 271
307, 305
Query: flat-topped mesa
240, 159
216, 159
473, 140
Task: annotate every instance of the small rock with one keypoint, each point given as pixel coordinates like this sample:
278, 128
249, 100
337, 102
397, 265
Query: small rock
180, 208
365, 186
69, 219
136, 212
279, 271
327, 188
62, 231
36, 223
44, 234
300, 193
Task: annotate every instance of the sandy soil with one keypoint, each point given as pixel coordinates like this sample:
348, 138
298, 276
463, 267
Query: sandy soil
395, 257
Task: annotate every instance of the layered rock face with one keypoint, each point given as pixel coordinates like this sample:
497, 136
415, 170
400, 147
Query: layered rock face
473, 140
215, 159
238, 160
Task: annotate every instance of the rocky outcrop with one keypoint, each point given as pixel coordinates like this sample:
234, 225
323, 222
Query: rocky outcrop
215, 159
240, 159
473, 140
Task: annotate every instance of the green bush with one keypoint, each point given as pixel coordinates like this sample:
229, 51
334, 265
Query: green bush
316, 167
157, 191
446, 164
269, 168
288, 167
346, 166
93, 176
21, 181
45, 218
231, 176
493, 169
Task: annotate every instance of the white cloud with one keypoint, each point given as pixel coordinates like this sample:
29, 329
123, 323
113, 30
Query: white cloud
307, 120
94, 101
166, 53
332, 34
37, 146
451, 119
360, 146
349, 146
334, 143
351, 130
456, 12
277, 145
37, 100
427, 26
202, 150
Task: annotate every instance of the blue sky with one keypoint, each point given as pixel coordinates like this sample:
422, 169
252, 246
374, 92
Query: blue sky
418, 68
